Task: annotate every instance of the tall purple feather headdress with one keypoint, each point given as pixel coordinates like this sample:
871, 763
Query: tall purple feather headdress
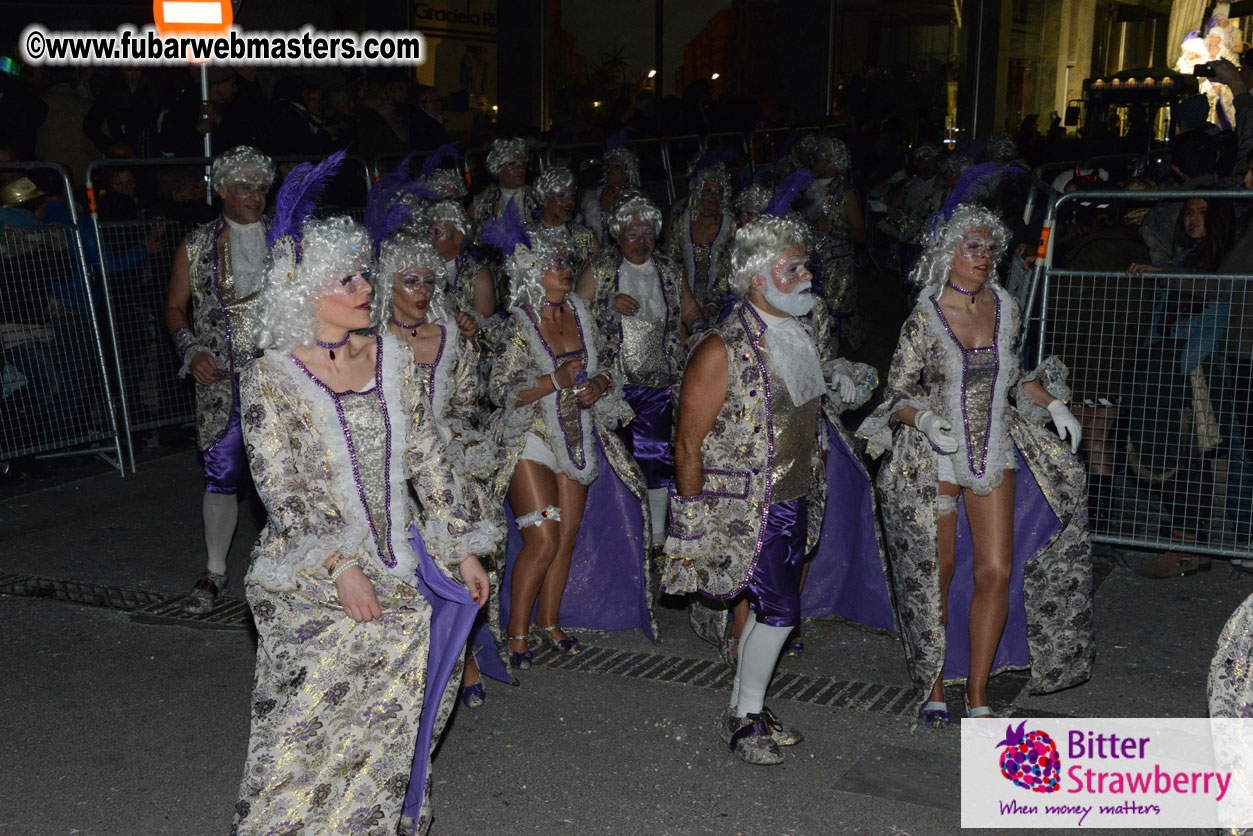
386, 207
298, 197
971, 186
437, 158
790, 189
618, 138
506, 232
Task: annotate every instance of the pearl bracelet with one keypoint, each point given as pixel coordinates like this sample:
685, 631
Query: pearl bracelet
342, 568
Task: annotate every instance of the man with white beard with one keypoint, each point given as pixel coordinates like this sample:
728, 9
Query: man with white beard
210, 309
745, 455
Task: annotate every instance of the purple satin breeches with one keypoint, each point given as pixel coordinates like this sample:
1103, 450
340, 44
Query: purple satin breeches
226, 463
647, 437
774, 586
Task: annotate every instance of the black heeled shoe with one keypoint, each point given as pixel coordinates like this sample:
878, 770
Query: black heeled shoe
520, 660
569, 646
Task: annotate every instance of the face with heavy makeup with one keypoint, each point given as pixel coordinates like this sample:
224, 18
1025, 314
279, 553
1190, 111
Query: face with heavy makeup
558, 277
558, 207
711, 195
788, 288
974, 258
344, 306
512, 173
243, 202
412, 291
615, 174
637, 240
447, 239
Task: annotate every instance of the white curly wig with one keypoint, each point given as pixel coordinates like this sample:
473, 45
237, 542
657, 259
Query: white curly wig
716, 173
1000, 148
940, 247
630, 205
753, 199
452, 212
330, 249
758, 245
813, 149
400, 253
503, 150
554, 179
241, 164
447, 183
627, 159
955, 165
526, 270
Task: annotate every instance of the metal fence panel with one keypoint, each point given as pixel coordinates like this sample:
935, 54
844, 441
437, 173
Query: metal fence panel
1161, 368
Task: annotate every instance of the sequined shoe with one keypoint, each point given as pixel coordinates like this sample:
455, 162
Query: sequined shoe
205, 593
753, 742
783, 735
569, 646
520, 660
472, 696
933, 715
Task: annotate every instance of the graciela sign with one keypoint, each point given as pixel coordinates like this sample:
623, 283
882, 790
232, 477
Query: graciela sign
1115, 772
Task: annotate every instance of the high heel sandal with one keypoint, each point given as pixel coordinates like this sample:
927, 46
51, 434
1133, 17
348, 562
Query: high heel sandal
978, 711
934, 715
569, 646
520, 660
472, 696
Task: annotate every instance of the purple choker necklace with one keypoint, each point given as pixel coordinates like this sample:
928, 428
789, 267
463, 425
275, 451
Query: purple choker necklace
330, 347
964, 292
548, 304
412, 328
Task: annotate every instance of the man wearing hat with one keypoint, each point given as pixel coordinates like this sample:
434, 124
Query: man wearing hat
217, 273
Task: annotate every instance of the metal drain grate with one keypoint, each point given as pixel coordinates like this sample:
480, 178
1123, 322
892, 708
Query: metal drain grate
715, 675
142, 605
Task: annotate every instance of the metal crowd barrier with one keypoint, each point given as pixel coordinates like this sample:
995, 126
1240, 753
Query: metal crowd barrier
135, 258
57, 393
1160, 367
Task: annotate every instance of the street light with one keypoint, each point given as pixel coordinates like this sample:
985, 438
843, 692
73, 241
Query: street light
595, 104
652, 73
714, 77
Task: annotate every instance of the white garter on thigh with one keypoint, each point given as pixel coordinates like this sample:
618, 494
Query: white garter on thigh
945, 504
543, 515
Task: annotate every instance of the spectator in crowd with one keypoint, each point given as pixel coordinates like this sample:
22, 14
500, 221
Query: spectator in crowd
180, 197
68, 97
116, 201
22, 113
124, 111
381, 127
426, 128
300, 121
185, 122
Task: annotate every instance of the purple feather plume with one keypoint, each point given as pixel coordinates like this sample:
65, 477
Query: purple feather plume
968, 188
618, 138
506, 232
386, 209
299, 195
790, 189
437, 157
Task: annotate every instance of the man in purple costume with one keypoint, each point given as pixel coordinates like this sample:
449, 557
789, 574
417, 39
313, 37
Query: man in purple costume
745, 455
210, 307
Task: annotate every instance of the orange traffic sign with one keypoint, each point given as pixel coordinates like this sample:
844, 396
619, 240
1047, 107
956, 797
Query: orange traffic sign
192, 18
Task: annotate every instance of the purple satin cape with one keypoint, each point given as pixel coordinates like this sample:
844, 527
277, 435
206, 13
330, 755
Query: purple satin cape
1034, 525
452, 613
607, 589
846, 577
486, 652
647, 437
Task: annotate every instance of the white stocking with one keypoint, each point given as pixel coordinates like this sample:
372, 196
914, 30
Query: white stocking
758, 655
221, 511
739, 666
658, 502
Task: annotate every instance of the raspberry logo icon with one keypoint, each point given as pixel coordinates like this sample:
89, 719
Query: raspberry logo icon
1031, 760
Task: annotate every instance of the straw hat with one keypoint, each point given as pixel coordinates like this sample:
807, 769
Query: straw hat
20, 191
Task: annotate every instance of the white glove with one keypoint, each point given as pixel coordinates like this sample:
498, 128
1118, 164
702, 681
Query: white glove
1066, 423
844, 386
937, 430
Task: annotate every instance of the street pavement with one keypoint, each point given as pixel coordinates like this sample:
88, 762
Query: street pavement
121, 728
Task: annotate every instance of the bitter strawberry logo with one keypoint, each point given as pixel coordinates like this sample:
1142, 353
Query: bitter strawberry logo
1031, 759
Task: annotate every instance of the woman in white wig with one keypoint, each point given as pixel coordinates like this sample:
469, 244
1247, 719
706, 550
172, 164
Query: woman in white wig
359, 620
559, 456
621, 171
702, 232
506, 161
984, 510
410, 302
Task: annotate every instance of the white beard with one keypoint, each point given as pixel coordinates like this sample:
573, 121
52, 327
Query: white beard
248, 251
795, 303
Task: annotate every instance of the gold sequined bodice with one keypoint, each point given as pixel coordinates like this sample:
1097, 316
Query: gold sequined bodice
794, 432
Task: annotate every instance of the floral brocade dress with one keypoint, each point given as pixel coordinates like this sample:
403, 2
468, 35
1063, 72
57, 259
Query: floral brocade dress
1231, 688
338, 707
1049, 628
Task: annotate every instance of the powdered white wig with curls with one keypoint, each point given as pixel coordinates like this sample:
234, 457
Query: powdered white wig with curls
627, 159
504, 150
241, 164
716, 173
753, 199
631, 205
526, 267
758, 245
447, 183
407, 252
452, 212
330, 250
553, 180
940, 248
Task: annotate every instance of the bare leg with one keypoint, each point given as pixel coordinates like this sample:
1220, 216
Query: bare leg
739, 617
533, 488
470, 675
992, 534
946, 558
571, 498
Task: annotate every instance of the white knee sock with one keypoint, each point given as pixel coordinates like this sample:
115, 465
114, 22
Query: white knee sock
658, 503
221, 511
739, 667
758, 656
